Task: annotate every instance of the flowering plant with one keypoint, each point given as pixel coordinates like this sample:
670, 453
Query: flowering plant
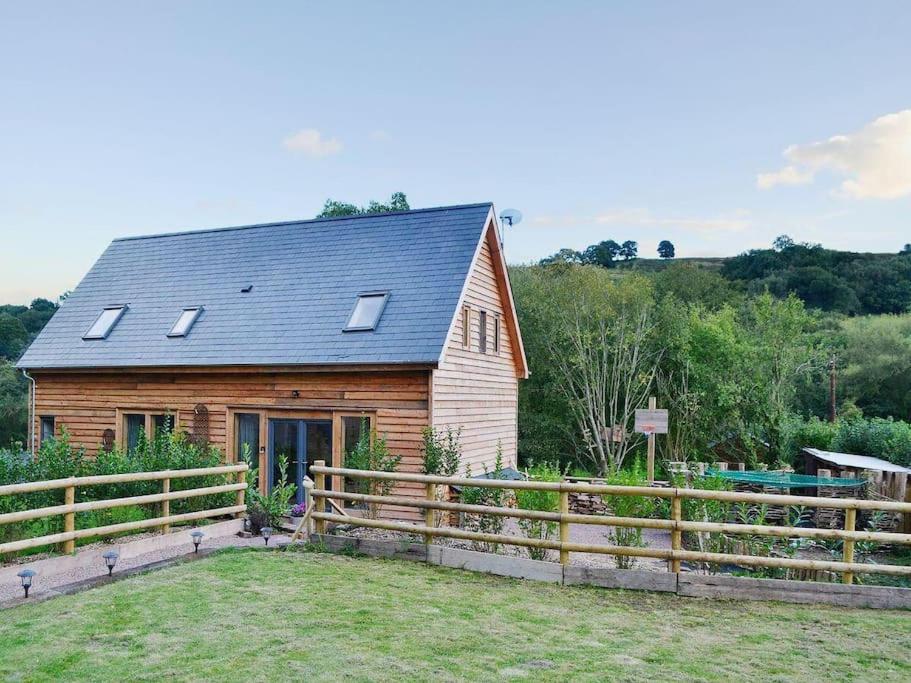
299, 510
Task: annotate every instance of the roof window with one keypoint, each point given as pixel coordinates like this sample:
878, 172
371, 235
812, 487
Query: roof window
185, 321
105, 322
367, 311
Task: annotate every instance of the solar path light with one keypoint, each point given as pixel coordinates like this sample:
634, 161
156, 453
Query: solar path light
197, 539
110, 559
26, 576
266, 531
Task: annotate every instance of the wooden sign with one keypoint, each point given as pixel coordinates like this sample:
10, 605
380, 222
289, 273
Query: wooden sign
655, 418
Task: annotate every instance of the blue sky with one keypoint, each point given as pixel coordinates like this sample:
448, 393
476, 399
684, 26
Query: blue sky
639, 121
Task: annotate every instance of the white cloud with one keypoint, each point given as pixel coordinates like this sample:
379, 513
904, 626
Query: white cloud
736, 221
876, 160
311, 142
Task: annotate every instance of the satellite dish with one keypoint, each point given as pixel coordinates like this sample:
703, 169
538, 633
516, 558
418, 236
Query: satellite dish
511, 217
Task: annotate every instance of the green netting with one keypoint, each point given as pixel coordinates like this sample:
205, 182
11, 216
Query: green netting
783, 479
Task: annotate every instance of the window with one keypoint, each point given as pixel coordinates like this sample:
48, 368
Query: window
367, 311
482, 331
137, 426
354, 427
47, 428
185, 321
105, 322
466, 327
246, 427
496, 334
163, 423
134, 425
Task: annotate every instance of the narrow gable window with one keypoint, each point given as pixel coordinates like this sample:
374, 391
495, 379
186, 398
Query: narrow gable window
367, 311
496, 334
185, 321
105, 322
482, 332
466, 326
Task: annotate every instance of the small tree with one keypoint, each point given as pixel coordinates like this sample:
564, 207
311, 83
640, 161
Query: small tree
442, 456
666, 249
372, 454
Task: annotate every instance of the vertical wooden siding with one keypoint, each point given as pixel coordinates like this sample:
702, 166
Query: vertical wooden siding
479, 391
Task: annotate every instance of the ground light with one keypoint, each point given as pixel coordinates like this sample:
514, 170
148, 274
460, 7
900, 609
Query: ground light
26, 576
197, 539
266, 531
110, 559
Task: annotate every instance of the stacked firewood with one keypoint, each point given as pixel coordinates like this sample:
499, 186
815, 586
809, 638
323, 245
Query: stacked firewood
587, 504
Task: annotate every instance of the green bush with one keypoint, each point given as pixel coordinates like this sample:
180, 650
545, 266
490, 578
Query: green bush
544, 501
59, 459
877, 437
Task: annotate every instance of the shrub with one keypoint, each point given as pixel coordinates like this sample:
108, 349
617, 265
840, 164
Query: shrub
267, 509
442, 452
491, 497
544, 501
629, 506
371, 453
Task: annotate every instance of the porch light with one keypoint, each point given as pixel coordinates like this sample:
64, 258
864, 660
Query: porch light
25, 576
197, 539
110, 559
266, 531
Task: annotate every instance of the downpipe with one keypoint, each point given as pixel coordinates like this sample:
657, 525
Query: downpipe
31, 412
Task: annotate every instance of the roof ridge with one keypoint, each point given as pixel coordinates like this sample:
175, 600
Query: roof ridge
302, 221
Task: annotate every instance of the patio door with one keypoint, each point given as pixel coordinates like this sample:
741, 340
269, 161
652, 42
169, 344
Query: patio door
301, 442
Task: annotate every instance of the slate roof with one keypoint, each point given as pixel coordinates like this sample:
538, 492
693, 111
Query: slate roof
306, 276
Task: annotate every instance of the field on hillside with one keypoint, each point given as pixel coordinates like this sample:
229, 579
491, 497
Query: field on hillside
250, 616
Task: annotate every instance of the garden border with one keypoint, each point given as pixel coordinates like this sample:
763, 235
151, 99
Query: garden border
684, 584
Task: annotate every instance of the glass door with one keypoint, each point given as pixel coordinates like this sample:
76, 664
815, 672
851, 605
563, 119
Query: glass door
296, 444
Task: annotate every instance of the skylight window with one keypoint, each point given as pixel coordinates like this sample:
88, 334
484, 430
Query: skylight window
367, 311
185, 321
105, 322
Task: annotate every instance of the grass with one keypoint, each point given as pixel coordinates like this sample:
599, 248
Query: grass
248, 616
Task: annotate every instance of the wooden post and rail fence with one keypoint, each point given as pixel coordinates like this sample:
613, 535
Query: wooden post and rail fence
848, 567
71, 508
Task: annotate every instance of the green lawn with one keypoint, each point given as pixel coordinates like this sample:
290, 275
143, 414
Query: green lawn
248, 615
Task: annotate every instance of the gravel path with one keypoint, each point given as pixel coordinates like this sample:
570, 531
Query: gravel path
578, 533
48, 582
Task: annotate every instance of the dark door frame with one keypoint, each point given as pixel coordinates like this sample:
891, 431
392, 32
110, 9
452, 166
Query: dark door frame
303, 460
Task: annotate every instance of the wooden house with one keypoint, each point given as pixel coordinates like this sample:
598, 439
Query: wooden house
285, 337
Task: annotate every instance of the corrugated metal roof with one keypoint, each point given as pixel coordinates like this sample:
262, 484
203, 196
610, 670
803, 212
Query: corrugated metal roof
305, 277
858, 462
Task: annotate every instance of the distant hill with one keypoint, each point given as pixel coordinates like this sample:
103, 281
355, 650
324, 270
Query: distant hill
852, 283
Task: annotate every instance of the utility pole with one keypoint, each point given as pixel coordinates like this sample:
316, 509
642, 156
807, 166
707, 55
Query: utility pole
832, 366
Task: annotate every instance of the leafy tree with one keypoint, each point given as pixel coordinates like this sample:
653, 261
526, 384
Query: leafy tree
906, 250
13, 337
333, 208
629, 250
692, 284
876, 362
564, 256
602, 254
782, 242
13, 406
666, 249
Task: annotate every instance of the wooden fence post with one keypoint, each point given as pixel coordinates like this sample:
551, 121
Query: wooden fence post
650, 451
676, 534
241, 493
69, 519
429, 513
165, 505
319, 481
564, 526
848, 555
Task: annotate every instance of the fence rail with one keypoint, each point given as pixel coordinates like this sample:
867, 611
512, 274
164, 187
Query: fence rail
676, 524
70, 507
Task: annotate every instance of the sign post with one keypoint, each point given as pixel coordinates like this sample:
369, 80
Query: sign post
651, 422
